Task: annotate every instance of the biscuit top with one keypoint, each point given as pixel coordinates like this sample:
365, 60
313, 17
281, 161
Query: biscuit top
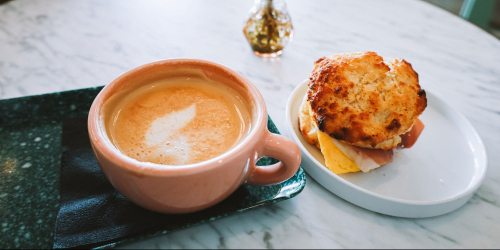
365, 100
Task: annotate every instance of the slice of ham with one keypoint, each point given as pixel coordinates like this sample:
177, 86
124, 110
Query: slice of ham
379, 156
383, 157
369, 159
409, 139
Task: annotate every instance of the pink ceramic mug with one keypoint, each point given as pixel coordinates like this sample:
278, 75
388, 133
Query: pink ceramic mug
193, 187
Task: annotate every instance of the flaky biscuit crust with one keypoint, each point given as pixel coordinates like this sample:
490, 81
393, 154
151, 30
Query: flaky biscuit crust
364, 100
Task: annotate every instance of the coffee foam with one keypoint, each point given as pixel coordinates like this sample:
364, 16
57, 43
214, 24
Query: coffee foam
179, 121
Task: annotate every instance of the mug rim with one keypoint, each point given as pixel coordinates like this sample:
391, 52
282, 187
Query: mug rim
100, 140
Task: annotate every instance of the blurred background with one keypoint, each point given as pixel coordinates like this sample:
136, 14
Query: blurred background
483, 13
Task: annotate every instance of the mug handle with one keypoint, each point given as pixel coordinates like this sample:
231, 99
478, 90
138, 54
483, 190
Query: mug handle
283, 149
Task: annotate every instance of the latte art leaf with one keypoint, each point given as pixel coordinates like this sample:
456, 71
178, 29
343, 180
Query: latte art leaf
163, 135
164, 127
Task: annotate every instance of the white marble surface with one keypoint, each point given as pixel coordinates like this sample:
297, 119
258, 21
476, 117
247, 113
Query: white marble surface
48, 46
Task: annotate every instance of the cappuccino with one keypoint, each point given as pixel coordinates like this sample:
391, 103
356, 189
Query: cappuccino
178, 121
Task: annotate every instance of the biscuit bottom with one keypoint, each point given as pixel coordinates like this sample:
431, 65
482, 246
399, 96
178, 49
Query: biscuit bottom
341, 158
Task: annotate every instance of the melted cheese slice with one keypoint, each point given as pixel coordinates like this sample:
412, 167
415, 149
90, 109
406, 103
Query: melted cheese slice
335, 160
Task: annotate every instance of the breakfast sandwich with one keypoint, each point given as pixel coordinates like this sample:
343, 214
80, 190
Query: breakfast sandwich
360, 108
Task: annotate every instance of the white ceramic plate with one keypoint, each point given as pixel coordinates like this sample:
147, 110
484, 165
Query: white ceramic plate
439, 174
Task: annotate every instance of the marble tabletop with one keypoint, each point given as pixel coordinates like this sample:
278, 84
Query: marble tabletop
48, 46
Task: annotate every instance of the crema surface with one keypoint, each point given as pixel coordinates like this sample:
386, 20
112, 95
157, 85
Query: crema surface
179, 121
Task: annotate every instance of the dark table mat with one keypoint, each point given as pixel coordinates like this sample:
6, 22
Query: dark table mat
30, 148
92, 212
